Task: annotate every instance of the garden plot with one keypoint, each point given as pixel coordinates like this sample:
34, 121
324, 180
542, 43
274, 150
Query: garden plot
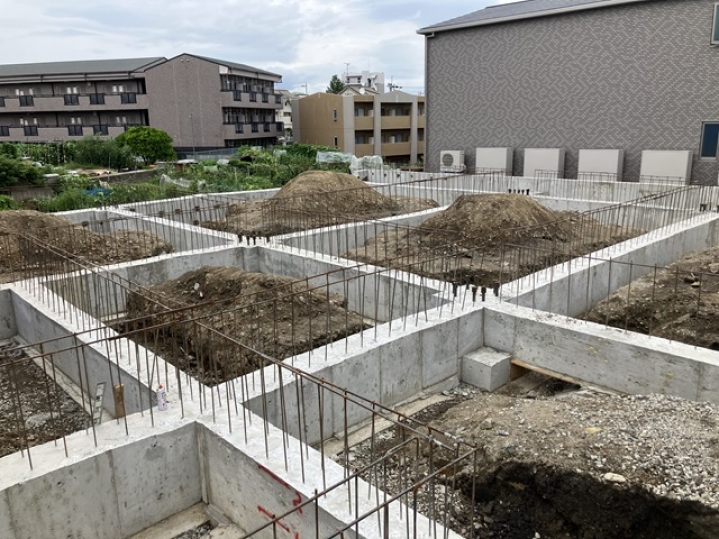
678, 302
486, 240
559, 463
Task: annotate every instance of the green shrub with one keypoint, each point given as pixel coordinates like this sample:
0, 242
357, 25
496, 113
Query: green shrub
7, 203
14, 172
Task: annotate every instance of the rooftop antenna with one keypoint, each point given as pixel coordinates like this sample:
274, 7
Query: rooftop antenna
392, 86
347, 69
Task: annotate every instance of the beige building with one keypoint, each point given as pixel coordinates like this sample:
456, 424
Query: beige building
389, 124
203, 103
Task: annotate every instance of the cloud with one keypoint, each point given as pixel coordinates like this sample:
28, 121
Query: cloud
307, 41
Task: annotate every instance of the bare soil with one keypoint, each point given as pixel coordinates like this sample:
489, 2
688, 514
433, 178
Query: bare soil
679, 302
271, 314
311, 200
580, 465
57, 237
33, 408
489, 239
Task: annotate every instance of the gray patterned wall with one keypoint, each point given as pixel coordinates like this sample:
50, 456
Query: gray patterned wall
635, 77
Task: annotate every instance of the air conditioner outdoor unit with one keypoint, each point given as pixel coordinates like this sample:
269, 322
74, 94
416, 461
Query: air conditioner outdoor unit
451, 161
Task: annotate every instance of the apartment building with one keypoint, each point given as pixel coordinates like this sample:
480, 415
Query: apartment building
389, 124
284, 115
632, 75
203, 103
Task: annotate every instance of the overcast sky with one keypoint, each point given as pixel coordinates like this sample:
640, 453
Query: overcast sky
306, 41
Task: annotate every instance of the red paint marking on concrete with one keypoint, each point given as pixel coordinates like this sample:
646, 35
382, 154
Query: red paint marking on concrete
272, 517
274, 476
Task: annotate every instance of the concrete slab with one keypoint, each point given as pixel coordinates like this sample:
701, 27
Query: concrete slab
6, 525
486, 368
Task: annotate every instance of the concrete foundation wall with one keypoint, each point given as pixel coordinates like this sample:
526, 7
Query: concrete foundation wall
81, 358
573, 288
608, 357
562, 188
183, 237
393, 366
8, 325
113, 495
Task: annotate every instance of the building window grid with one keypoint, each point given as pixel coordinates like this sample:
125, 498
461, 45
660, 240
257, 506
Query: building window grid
71, 99
27, 100
97, 99
30, 130
128, 98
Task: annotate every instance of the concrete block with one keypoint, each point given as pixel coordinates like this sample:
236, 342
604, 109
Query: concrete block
486, 369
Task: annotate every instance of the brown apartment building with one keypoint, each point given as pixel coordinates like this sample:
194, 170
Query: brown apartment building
203, 103
389, 124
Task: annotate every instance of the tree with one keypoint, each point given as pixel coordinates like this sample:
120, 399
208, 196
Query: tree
149, 143
336, 85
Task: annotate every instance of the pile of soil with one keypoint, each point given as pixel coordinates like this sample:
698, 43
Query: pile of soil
489, 239
311, 200
679, 302
473, 221
20, 257
581, 465
271, 314
33, 409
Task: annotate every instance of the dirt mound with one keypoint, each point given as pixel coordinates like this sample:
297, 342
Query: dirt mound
322, 191
311, 200
489, 239
272, 314
679, 303
475, 220
75, 241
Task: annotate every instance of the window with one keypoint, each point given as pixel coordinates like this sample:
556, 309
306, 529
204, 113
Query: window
74, 130
2, 101
255, 128
4, 130
27, 101
278, 99
120, 120
30, 130
77, 120
715, 26
100, 130
266, 127
265, 98
237, 95
71, 90
127, 98
253, 97
336, 142
72, 99
97, 99
710, 140
280, 126
239, 128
